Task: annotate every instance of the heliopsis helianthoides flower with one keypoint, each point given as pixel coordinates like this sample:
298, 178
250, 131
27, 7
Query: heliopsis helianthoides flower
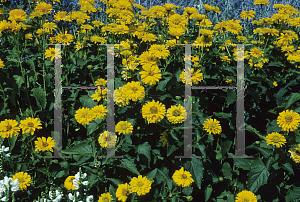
191, 77
98, 112
64, 38
43, 144
206, 23
100, 82
134, 91
182, 178
295, 153
124, 127
28, 36
275, 84
60, 15
176, 31
247, 14
43, 8
256, 53
53, 53
107, 139
84, 116
150, 74
245, 196
8, 128
164, 139
1, 63
122, 192
141, 185
49, 26
288, 120
17, 15
149, 37
24, 180
176, 114
177, 20
275, 139
261, 2
147, 58
69, 183
153, 111
212, 126
97, 23
120, 97
30, 125
97, 39
225, 59
188, 11
99, 94
229, 81
106, 197
159, 51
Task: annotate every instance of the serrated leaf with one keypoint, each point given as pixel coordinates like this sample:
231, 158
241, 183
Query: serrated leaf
83, 148
152, 174
288, 167
40, 97
293, 195
60, 174
196, 168
294, 97
87, 101
115, 181
19, 80
222, 115
226, 170
91, 127
145, 150
162, 84
207, 193
171, 150
231, 96
169, 181
129, 165
258, 175
242, 163
279, 96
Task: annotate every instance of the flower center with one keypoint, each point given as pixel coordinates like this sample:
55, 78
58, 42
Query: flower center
106, 199
184, 176
124, 126
176, 112
289, 119
124, 192
134, 89
151, 73
45, 144
246, 199
9, 127
140, 184
21, 180
71, 180
30, 124
153, 110
276, 139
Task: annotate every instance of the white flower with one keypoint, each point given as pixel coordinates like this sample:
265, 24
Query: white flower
57, 194
7, 155
3, 199
4, 149
85, 182
71, 197
89, 198
14, 185
76, 183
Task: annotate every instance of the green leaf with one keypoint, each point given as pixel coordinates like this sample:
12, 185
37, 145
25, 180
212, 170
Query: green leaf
188, 190
145, 150
83, 148
207, 193
152, 174
229, 197
115, 181
19, 80
242, 163
288, 167
129, 165
169, 181
171, 150
293, 195
40, 97
273, 127
226, 170
60, 174
87, 101
162, 84
91, 127
275, 64
225, 146
258, 175
279, 96
202, 147
222, 115
12, 140
294, 97
231, 96
196, 168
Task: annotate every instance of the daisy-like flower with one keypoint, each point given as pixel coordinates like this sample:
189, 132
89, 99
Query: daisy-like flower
275, 83
53, 53
24, 180
191, 77
84, 116
99, 94
18, 15
124, 127
247, 14
43, 144
295, 153
164, 139
176, 114
30, 125
61, 15
176, 31
147, 58
159, 51
28, 36
276, 139
64, 38
1, 64
122, 192
288, 120
100, 82
134, 91
149, 37
43, 8
69, 183
153, 111
261, 2
106, 197
245, 196
141, 185
151, 74
107, 139
182, 178
8, 128
120, 97
98, 112
212, 126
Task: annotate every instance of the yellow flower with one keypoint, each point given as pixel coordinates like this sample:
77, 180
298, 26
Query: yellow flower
97, 39
212, 126
17, 15
261, 2
30, 125
188, 11
275, 83
24, 180
124, 127
153, 111
28, 36
8, 128
245, 196
107, 139
176, 31
159, 51
64, 38
61, 15
206, 23
100, 82
288, 120
84, 116
164, 139
98, 112
248, 14
99, 94
295, 153
43, 8
120, 97
177, 20
151, 74
1, 63
49, 26
176, 114
191, 77
122, 192
69, 183
182, 178
275, 139
147, 58
43, 144
141, 185
134, 91
106, 197
149, 37
53, 53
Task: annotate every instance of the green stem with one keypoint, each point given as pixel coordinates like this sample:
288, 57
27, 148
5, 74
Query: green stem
3, 98
202, 137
